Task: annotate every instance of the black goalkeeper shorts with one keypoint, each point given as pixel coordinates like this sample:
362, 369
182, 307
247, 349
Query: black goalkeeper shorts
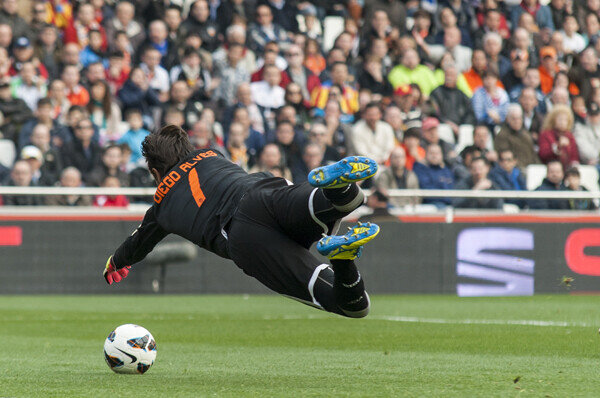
270, 234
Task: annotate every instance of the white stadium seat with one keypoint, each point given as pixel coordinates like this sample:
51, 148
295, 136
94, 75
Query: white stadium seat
7, 153
446, 133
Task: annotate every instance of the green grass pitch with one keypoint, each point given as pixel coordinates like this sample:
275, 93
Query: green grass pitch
259, 346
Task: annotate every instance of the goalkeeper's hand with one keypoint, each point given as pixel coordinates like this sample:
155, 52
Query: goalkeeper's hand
111, 274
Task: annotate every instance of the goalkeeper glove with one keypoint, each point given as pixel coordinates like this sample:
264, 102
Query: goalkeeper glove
111, 274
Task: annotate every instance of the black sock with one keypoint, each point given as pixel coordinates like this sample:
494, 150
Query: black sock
348, 287
343, 196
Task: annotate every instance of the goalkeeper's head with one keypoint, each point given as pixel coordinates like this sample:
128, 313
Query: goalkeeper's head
164, 148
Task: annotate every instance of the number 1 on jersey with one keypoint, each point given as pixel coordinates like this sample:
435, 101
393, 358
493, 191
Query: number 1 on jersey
195, 187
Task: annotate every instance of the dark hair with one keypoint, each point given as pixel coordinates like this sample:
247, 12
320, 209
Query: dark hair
132, 111
166, 147
106, 101
110, 146
572, 171
483, 159
44, 102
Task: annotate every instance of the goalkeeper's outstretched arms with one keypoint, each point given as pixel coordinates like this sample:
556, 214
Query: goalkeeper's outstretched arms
134, 249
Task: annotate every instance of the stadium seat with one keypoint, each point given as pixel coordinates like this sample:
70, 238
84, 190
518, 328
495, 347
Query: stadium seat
535, 174
7, 153
332, 27
589, 177
465, 137
446, 133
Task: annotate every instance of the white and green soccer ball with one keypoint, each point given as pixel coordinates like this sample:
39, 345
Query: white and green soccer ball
130, 349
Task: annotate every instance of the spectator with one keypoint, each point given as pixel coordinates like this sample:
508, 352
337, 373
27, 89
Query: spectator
76, 93
451, 44
474, 75
203, 137
313, 59
236, 147
43, 115
57, 93
21, 176
337, 89
39, 176
411, 143
180, 100
396, 176
573, 42
478, 181
82, 152
372, 78
93, 51
586, 75
124, 22
79, 30
514, 137
541, 13
490, 102
28, 86
431, 136
270, 160
371, 136
110, 166
506, 175
451, 105
137, 94
14, 111
492, 46
267, 93
158, 77
158, 38
104, 112
192, 72
532, 117
513, 79
230, 76
298, 73
434, 174
199, 21
135, 135
411, 71
410, 108
552, 182
48, 48
318, 135
264, 30
111, 200
573, 183
556, 140
9, 15
548, 68
312, 157
51, 161
587, 136
70, 178
235, 34
231, 11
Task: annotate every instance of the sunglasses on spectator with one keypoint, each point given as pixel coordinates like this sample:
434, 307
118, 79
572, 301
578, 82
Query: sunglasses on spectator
292, 54
507, 159
84, 127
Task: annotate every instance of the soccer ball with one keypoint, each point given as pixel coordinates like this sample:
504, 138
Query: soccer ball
130, 349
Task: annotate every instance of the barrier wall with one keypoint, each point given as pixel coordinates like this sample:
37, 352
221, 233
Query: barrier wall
472, 255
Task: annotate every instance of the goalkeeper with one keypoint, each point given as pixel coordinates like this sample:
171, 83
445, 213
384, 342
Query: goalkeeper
263, 223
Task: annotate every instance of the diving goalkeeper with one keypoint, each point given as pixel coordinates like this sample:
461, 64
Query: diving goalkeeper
263, 223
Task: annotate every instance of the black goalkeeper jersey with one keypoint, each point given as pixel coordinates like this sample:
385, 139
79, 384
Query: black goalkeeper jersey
195, 200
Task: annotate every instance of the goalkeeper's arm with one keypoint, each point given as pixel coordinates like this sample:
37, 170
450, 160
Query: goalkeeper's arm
135, 248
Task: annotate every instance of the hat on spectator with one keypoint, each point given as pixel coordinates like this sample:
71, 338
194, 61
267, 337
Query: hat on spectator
309, 9
403, 90
31, 152
519, 54
593, 109
430, 122
413, 132
22, 42
548, 52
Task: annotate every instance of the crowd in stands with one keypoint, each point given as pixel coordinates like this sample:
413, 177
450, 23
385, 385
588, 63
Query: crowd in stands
444, 94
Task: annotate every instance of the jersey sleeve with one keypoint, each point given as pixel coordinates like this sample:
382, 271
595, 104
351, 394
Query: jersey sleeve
141, 242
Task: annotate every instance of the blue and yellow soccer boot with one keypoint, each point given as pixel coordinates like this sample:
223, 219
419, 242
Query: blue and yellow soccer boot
342, 173
347, 246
